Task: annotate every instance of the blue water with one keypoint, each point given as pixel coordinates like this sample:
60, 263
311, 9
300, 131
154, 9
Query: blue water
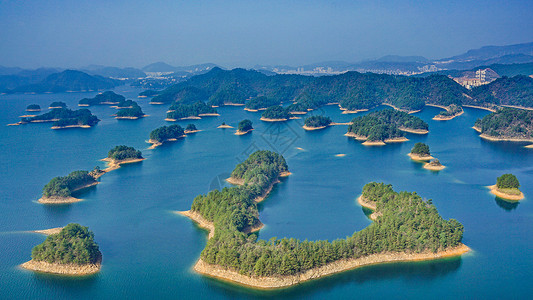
148, 251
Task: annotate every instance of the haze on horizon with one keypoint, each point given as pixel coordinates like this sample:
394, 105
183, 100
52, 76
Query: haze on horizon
135, 33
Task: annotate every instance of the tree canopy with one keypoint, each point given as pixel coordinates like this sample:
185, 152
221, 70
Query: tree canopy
507, 123
420, 149
165, 133
64, 186
123, 152
317, 121
507, 181
245, 125
276, 112
105, 97
178, 111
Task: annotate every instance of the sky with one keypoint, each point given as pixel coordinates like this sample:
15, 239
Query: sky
65, 34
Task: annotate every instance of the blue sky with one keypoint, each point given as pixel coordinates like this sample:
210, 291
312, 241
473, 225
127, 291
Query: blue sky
245, 33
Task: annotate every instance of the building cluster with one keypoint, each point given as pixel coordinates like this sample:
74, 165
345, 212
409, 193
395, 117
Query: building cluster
479, 77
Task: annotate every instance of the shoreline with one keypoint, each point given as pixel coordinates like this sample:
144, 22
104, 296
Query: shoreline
396, 140
130, 118
399, 109
209, 115
272, 120
49, 231
417, 157
262, 197
65, 200
238, 132
446, 118
479, 107
374, 143
355, 136
314, 128
156, 144
70, 126
430, 167
224, 126
497, 139
63, 269
415, 131
115, 164
496, 192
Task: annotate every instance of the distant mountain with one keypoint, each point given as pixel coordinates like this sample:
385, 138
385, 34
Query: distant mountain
159, 67
9, 70
23, 77
114, 72
402, 59
490, 52
67, 81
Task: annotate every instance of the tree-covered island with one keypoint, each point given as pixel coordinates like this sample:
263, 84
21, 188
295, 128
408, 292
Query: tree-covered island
164, 134
385, 126
449, 113
244, 127
130, 113
65, 118
57, 104
406, 228
261, 103
72, 251
108, 97
275, 114
60, 189
33, 107
506, 187
317, 122
420, 152
125, 104
148, 93
191, 128
190, 111
122, 154
507, 124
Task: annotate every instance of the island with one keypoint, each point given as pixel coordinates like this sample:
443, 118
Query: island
507, 124
224, 126
275, 114
449, 112
316, 122
72, 251
148, 93
65, 118
57, 104
434, 165
108, 97
120, 155
166, 134
420, 152
130, 113
232, 254
33, 107
191, 128
385, 126
125, 104
506, 187
178, 111
244, 127
260, 103
60, 189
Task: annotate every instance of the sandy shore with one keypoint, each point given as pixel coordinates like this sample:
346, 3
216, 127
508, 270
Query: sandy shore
234, 104
397, 140
446, 118
130, 118
83, 105
33, 109
142, 96
209, 226
114, 164
519, 107
225, 126
496, 192
156, 144
272, 120
480, 107
498, 139
415, 131
347, 111
335, 124
374, 143
399, 109
209, 115
529, 146
62, 269
191, 131
420, 158
340, 155
355, 136
65, 200
157, 103
251, 110
298, 112
49, 231
313, 128
71, 126
27, 116
53, 107
243, 132
430, 167
236, 181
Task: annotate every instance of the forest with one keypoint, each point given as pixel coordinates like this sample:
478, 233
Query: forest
245, 125
385, 124
33, 107
108, 97
405, 223
123, 152
148, 93
317, 121
58, 104
165, 133
74, 244
276, 112
65, 116
134, 111
63, 186
178, 111
261, 102
516, 91
421, 149
507, 123
451, 110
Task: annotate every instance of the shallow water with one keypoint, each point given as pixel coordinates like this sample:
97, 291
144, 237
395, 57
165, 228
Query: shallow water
148, 251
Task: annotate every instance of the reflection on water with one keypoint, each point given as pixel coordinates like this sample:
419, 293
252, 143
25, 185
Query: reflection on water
506, 205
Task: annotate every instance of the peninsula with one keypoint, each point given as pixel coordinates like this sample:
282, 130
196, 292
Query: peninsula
244, 127
167, 134
275, 114
449, 112
317, 122
72, 251
507, 124
233, 255
506, 187
59, 190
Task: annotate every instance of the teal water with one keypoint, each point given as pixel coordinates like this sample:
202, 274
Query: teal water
148, 251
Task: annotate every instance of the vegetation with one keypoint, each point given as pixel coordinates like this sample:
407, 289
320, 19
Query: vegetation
385, 124
406, 223
64, 186
517, 91
108, 97
149, 93
65, 117
229, 94
191, 127
73, 245
165, 133
262, 102
58, 104
126, 103
421, 149
123, 152
245, 125
179, 111
33, 107
507, 181
134, 111
276, 112
452, 110
317, 121
507, 123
